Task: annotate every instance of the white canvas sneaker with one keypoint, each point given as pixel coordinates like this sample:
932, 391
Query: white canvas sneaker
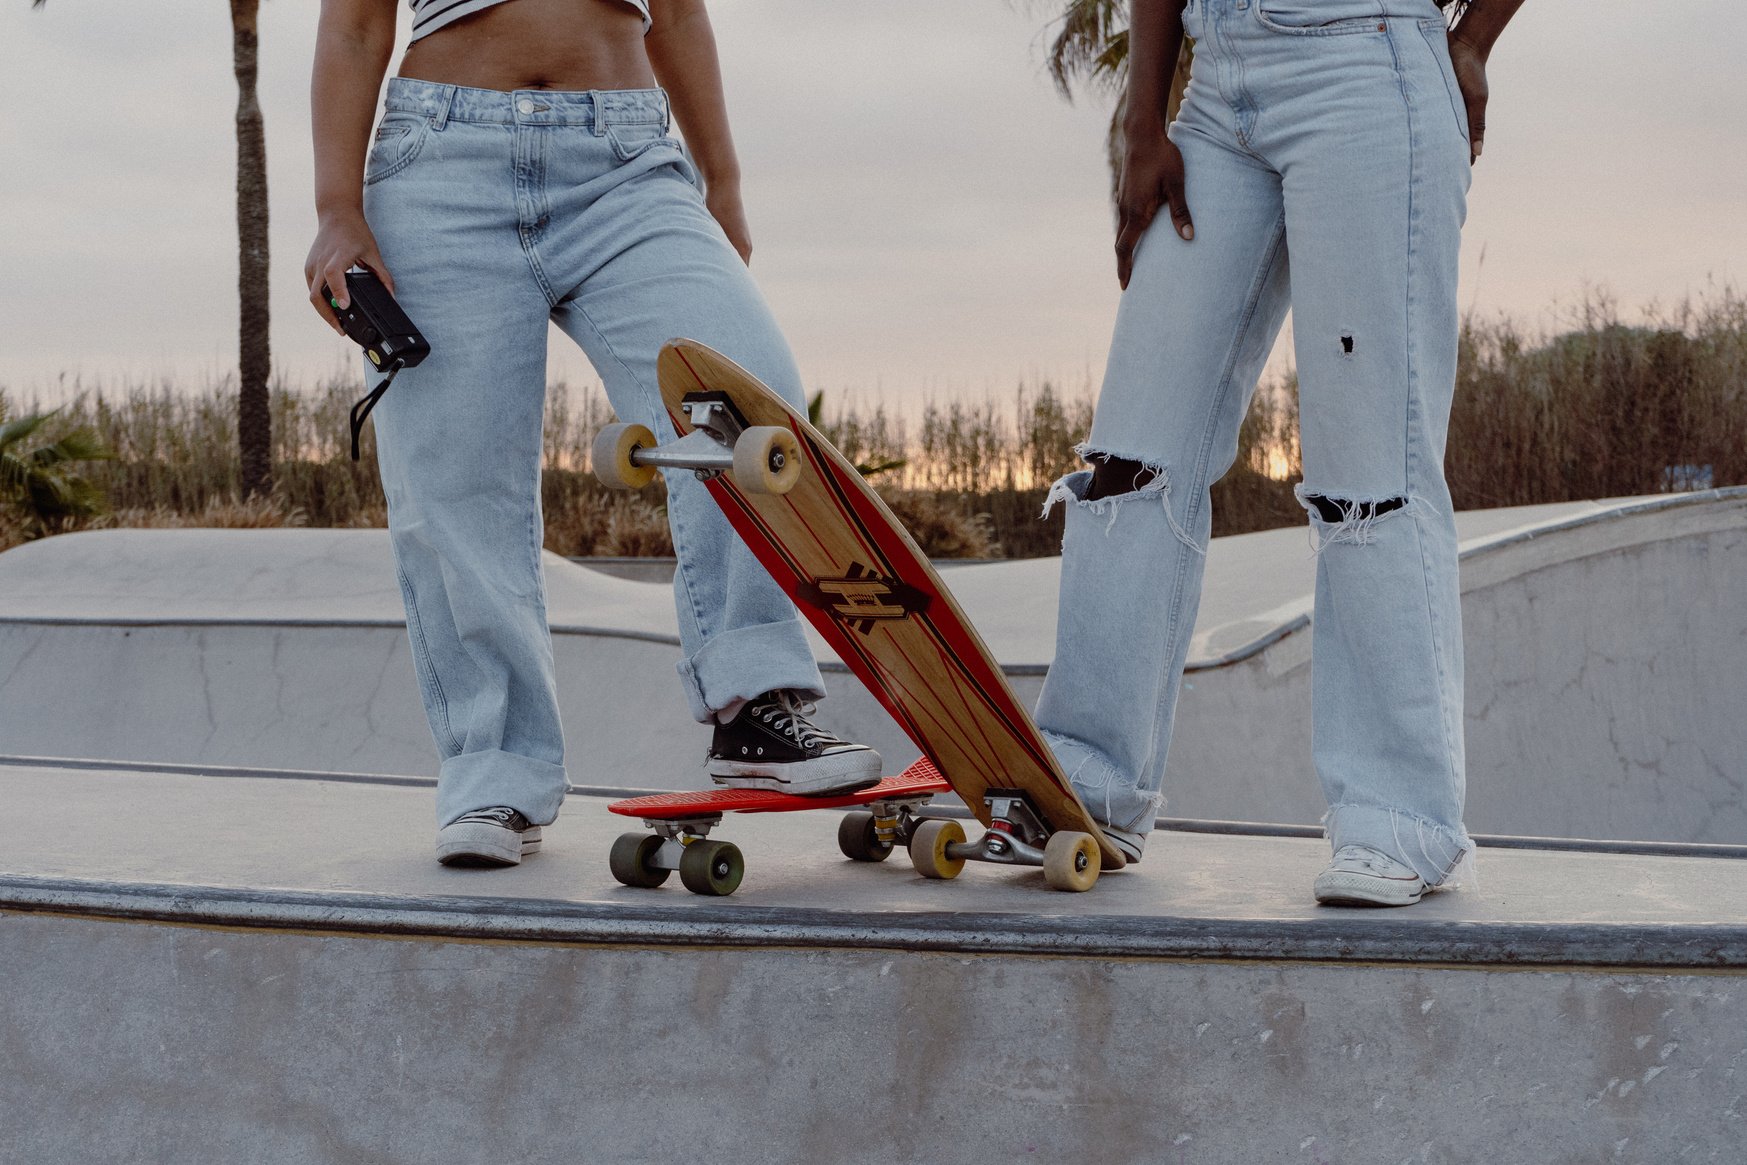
499, 836
1362, 876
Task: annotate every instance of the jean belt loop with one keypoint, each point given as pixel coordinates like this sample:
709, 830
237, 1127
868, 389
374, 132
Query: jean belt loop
597, 113
444, 104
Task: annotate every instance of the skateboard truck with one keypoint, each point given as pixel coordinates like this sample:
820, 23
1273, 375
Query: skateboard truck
764, 459
706, 867
1017, 836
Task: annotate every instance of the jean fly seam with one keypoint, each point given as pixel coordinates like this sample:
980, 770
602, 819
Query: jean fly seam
529, 184
422, 649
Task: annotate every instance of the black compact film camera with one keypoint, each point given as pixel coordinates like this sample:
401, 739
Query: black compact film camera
375, 323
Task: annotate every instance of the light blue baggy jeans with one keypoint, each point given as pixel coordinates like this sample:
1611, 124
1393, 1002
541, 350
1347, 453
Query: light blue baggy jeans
495, 213
1325, 147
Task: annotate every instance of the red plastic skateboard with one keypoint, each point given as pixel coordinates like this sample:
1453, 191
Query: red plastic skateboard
682, 821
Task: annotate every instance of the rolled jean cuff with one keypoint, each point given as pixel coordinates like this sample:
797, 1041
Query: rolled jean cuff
747, 662
1438, 854
484, 780
1109, 794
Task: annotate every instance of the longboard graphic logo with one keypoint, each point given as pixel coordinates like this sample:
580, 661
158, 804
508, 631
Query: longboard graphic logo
862, 598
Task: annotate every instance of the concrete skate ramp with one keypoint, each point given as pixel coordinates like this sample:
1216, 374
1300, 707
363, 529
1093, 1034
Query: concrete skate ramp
207, 970
1606, 642
288, 649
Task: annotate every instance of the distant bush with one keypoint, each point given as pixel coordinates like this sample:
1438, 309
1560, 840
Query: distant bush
1604, 410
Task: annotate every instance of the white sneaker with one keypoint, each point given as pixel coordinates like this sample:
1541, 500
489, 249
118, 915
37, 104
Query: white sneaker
1362, 876
499, 836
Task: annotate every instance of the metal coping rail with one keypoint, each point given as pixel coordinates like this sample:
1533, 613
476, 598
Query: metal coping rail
1403, 940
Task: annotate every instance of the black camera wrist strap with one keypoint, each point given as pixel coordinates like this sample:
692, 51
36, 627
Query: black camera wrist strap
361, 410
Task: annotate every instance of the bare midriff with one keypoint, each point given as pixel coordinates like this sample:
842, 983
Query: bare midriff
537, 44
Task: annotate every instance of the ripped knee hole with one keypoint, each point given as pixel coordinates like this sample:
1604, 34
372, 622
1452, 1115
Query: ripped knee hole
1335, 511
1112, 476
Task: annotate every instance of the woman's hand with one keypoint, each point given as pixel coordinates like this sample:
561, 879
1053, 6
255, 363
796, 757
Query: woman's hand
1470, 66
723, 201
1152, 175
343, 240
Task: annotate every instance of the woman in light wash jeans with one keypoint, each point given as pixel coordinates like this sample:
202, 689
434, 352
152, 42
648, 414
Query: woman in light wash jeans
1324, 147
522, 172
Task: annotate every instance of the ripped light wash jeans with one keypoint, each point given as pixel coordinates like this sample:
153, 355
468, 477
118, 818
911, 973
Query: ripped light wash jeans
495, 213
1325, 147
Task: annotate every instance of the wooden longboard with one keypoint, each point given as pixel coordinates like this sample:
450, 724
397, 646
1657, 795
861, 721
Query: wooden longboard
859, 578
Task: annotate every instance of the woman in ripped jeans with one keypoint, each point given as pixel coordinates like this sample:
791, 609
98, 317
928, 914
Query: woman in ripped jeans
1324, 148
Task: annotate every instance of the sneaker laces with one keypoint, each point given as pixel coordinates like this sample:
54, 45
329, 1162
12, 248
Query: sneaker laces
501, 814
1371, 860
788, 715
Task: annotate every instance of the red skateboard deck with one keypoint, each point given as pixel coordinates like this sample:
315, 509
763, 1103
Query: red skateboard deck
919, 779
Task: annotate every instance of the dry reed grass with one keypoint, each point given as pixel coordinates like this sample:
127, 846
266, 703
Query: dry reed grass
1603, 409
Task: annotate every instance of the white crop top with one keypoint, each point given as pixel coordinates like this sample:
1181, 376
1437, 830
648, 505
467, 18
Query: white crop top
430, 15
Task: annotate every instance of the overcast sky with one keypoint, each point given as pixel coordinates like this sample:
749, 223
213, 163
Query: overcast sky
930, 216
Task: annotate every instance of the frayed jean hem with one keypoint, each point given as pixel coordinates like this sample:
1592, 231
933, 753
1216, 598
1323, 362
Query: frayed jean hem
1109, 795
485, 780
1442, 856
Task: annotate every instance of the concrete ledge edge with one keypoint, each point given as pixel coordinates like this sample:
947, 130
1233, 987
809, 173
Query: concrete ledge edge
699, 923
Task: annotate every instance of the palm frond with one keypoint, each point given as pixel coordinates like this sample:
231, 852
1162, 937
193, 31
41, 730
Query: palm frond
38, 484
15, 432
79, 445
1082, 48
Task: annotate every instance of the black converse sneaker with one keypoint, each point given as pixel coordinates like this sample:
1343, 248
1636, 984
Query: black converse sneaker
772, 745
499, 836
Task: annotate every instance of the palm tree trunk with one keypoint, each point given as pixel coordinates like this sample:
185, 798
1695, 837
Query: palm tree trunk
254, 424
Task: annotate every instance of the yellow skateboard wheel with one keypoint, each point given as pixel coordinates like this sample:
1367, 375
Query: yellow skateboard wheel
767, 460
928, 848
611, 455
1071, 861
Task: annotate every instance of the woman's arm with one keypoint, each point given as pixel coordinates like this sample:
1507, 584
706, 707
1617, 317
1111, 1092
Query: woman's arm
1471, 43
682, 51
353, 43
1152, 169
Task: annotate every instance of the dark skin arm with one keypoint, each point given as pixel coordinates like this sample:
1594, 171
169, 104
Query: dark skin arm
1152, 169
1471, 44
682, 51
